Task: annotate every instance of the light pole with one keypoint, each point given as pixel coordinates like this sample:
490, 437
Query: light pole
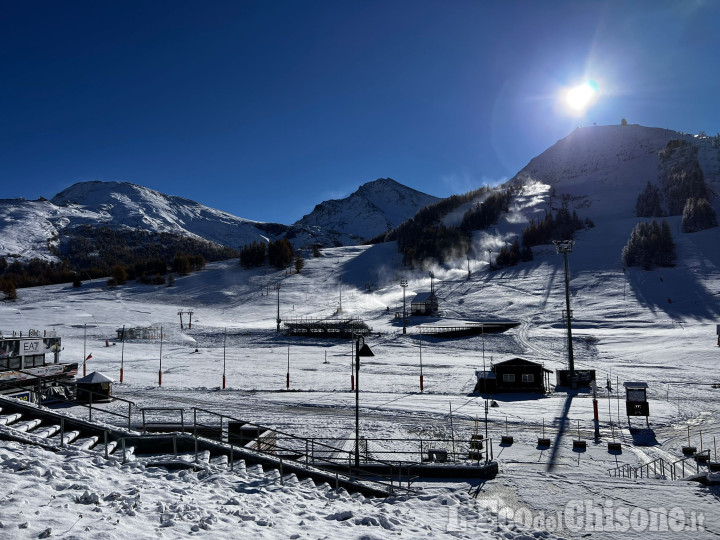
224, 343
122, 352
277, 288
160, 367
421, 373
404, 284
489, 259
84, 351
360, 350
564, 247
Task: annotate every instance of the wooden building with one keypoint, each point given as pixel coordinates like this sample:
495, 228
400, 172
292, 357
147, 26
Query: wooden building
425, 303
514, 375
95, 384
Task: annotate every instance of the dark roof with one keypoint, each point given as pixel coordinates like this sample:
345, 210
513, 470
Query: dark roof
520, 362
517, 361
94, 378
635, 385
421, 298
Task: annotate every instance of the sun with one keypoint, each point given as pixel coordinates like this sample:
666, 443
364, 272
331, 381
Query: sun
581, 96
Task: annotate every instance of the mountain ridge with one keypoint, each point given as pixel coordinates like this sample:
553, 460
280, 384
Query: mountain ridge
128, 206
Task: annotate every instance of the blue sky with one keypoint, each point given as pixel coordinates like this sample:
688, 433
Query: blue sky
266, 108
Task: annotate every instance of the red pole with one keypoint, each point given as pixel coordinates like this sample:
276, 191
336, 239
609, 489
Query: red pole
421, 383
159, 377
84, 373
121, 374
352, 383
223, 381
287, 382
595, 409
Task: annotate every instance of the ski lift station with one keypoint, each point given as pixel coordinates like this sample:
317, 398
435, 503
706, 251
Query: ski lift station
139, 332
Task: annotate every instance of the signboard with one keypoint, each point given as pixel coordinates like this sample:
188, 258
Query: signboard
24, 396
30, 347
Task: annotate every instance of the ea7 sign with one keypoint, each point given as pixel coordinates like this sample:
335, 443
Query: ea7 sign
28, 347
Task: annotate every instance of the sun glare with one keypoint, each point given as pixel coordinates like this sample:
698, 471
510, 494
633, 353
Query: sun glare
580, 96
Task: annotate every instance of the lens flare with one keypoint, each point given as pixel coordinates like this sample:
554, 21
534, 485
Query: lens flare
580, 96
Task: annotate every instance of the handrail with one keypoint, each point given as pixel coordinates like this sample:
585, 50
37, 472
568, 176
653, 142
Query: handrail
665, 467
150, 409
36, 384
353, 473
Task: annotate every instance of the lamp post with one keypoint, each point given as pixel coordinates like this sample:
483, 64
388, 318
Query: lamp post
224, 343
122, 352
360, 350
277, 288
564, 247
160, 367
404, 284
84, 351
421, 373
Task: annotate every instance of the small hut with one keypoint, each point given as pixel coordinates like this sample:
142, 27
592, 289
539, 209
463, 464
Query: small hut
636, 403
425, 303
514, 375
96, 385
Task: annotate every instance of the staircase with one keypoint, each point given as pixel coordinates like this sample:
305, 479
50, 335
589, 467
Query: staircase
234, 444
681, 469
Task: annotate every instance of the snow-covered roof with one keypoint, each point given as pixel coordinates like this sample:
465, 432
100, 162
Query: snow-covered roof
421, 298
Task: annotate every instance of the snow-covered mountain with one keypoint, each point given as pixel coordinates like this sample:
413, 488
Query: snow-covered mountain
604, 168
28, 228
598, 171
122, 204
376, 207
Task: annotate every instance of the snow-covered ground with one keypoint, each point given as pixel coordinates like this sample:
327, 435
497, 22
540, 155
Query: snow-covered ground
657, 326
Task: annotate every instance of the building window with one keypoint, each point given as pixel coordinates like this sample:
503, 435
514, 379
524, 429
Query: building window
508, 377
528, 377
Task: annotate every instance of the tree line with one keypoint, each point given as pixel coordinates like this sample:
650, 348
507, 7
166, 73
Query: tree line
650, 245
277, 253
94, 253
562, 226
682, 189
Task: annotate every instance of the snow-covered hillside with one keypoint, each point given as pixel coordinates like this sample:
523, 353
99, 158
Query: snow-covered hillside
130, 205
375, 208
604, 168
